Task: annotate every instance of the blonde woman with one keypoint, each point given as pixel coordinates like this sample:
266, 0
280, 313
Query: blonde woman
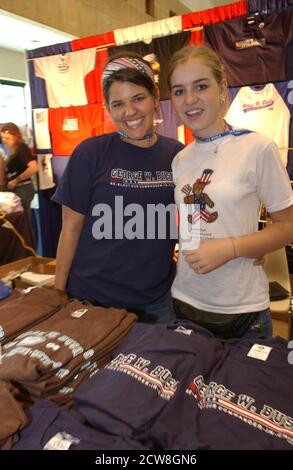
226, 173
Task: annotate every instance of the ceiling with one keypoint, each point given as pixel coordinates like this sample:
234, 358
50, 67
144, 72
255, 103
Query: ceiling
18, 33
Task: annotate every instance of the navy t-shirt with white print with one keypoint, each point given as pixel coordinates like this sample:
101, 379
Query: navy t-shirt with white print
115, 270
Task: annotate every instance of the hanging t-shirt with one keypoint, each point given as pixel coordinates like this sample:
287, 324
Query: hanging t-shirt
41, 128
108, 124
93, 80
149, 30
253, 53
70, 126
45, 173
262, 110
166, 121
158, 51
64, 75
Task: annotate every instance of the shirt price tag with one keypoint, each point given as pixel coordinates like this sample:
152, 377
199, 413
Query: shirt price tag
185, 331
78, 313
61, 441
259, 351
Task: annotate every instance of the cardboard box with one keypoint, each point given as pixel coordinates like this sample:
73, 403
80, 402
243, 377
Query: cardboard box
39, 264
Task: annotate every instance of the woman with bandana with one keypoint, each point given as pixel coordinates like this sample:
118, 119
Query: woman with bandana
118, 235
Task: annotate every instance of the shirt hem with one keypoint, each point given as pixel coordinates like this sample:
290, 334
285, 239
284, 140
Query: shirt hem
176, 294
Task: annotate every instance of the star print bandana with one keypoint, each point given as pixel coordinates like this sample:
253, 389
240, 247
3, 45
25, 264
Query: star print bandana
126, 63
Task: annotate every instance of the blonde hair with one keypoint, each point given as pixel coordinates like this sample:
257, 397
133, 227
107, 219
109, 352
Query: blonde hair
208, 56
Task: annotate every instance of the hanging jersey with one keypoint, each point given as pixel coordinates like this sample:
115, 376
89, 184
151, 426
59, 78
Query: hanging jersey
253, 53
70, 126
41, 128
262, 111
93, 82
46, 179
151, 29
166, 121
64, 75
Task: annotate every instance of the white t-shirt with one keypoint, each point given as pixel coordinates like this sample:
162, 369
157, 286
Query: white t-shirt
41, 127
245, 170
64, 75
262, 111
46, 178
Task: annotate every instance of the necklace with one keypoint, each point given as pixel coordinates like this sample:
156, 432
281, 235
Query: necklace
227, 131
147, 137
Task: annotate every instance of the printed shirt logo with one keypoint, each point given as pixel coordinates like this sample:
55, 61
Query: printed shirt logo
251, 42
218, 397
258, 105
157, 377
140, 179
40, 117
44, 163
63, 65
196, 195
70, 124
31, 340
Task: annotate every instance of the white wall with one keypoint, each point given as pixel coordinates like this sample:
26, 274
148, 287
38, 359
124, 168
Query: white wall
12, 65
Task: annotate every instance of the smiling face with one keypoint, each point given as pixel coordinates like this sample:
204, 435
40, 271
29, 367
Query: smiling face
198, 97
132, 108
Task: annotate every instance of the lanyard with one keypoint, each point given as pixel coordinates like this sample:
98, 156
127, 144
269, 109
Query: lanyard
230, 131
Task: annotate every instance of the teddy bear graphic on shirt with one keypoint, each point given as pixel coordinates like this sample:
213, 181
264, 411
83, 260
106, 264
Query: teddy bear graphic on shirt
197, 195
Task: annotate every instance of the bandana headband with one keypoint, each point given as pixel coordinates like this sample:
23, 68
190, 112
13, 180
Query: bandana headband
126, 63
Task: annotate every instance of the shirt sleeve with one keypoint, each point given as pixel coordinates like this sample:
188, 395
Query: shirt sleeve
76, 186
25, 155
272, 180
40, 67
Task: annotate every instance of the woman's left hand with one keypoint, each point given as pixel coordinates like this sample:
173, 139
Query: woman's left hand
210, 255
259, 261
12, 184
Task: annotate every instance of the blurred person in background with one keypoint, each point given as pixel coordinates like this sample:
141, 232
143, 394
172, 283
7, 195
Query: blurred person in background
20, 166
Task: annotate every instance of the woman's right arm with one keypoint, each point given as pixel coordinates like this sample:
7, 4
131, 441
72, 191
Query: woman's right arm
72, 223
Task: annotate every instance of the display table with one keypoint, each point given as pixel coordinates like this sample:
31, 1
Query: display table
11, 248
37, 264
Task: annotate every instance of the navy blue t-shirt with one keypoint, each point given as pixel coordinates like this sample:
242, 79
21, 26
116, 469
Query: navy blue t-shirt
104, 176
